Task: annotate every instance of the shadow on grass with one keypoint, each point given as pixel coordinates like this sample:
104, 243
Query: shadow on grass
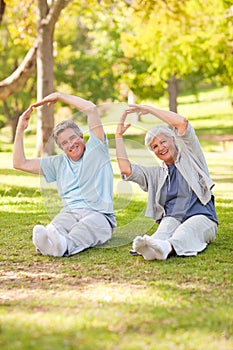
224, 130
224, 180
99, 316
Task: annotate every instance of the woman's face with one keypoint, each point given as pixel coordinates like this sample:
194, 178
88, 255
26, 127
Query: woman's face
164, 148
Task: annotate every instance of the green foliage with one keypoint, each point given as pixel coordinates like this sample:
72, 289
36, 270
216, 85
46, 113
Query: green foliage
188, 38
111, 47
18, 31
17, 35
88, 64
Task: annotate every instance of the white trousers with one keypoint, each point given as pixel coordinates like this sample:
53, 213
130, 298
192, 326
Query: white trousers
187, 238
82, 229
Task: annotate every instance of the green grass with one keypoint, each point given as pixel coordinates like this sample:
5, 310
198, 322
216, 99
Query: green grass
103, 298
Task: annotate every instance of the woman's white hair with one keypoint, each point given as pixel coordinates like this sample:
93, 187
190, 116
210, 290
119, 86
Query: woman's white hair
155, 131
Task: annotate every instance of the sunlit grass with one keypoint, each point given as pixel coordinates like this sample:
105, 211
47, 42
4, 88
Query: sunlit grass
113, 313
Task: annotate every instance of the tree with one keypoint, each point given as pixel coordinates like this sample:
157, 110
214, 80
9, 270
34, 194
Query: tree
80, 64
89, 62
47, 17
16, 90
143, 45
174, 38
40, 55
2, 9
18, 47
20, 76
94, 73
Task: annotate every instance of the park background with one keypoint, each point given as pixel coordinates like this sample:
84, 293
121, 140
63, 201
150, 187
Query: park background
173, 54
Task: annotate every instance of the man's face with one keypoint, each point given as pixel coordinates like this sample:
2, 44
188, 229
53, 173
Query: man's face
164, 148
72, 144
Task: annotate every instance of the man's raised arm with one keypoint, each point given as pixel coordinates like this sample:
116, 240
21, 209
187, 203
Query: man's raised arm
85, 106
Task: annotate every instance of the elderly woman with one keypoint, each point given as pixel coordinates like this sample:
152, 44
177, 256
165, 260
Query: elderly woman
180, 199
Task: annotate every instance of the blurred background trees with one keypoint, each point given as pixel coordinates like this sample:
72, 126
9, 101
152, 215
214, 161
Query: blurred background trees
105, 51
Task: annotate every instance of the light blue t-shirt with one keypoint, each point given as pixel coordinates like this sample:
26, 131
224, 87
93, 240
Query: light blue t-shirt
86, 183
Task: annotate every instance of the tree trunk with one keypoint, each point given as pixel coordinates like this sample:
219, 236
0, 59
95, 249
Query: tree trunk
12, 115
2, 9
13, 124
47, 18
45, 78
42, 54
173, 90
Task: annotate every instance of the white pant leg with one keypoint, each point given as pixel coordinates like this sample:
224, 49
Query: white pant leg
64, 222
166, 228
83, 229
192, 236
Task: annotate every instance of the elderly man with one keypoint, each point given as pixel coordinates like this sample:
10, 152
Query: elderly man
84, 179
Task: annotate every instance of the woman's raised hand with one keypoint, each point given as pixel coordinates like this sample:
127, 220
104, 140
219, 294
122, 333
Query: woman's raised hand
140, 109
49, 100
121, 127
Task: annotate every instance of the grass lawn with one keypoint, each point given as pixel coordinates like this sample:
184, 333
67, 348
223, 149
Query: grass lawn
103, 298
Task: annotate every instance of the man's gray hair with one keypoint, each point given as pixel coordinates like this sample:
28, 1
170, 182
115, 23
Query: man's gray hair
155, 131
65, 124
